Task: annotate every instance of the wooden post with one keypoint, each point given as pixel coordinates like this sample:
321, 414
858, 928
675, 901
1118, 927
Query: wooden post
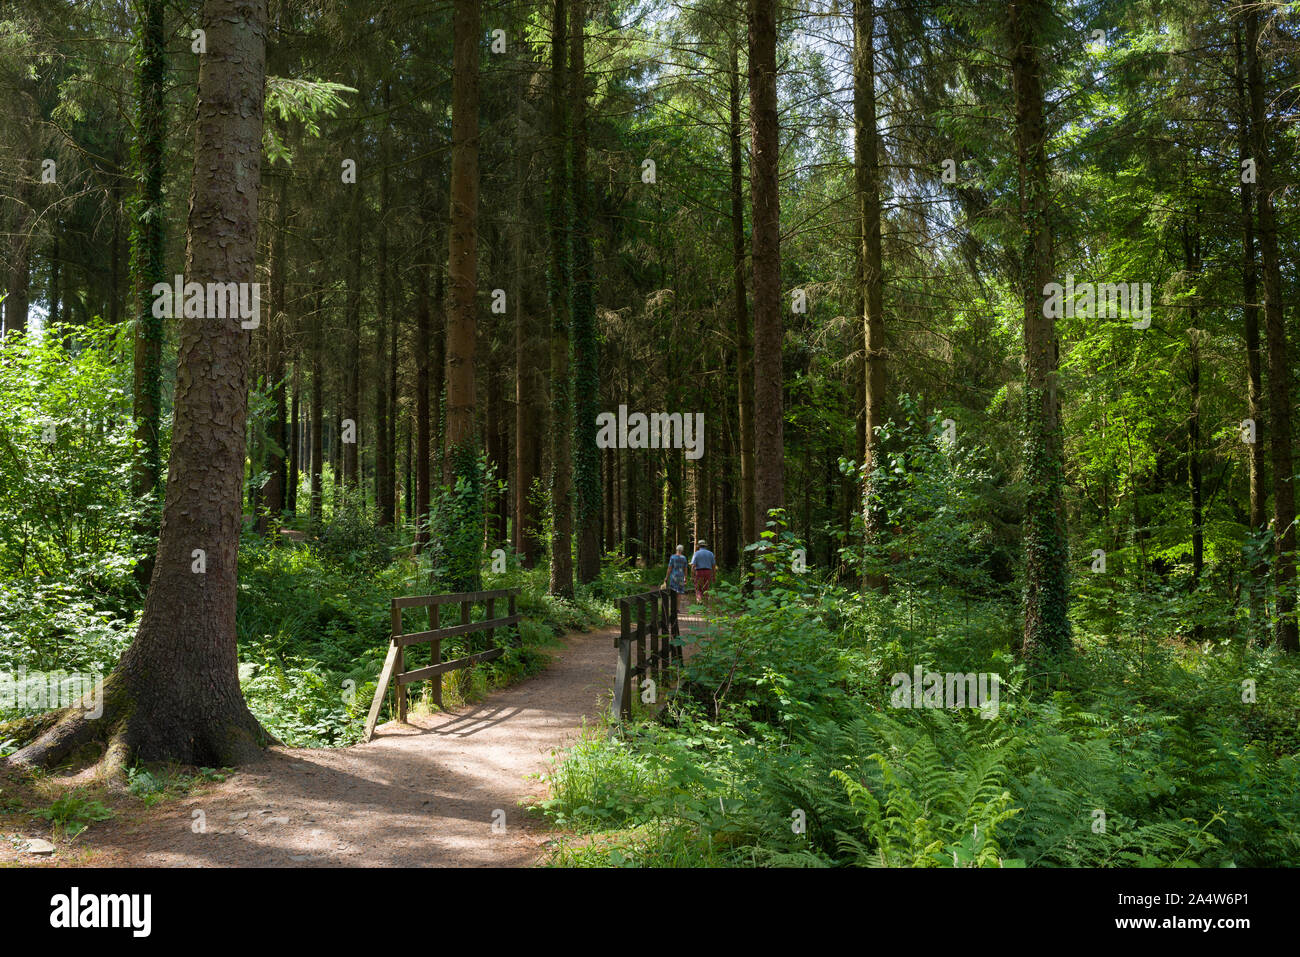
466, 615
512, 610
654, 673
665, 635
640, 637
489, 613
399, 689
677, 648
622, 642
622, 682
381, 688
435, 654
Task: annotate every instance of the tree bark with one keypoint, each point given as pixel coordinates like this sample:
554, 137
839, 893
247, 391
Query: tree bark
530, 422
317, 412
1258, 493
1047, 627
352, 367
383, 440
147, 259
1192, 264
769, 419
462, 266
557, 287
744, 334
393, 408
866, 170
460, 464
586, 348
1279, 387
295, 442
276, 329
423, 427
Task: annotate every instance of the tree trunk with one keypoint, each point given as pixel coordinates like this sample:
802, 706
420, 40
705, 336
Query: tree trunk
1047, 627
422, 423
462, 267
496, 441
409, 493
317, 413
460, 464
1192, 264
393, 412
634, 535
586, 348
866, 170
147, 260
744, 335
175, 695
276, 334
557, 287
336, 456
530, 421
55, 258
769, 446
1258, 571
352, 382
295, 443
383, 440
1279, 386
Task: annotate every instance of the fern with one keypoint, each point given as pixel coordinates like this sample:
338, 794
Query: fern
934, 795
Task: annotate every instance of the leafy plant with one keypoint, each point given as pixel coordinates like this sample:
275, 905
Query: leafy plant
73, 812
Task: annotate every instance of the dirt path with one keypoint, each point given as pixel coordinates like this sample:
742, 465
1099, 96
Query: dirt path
424, 794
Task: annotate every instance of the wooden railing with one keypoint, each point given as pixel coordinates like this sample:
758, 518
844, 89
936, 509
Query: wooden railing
393, 663
650, 616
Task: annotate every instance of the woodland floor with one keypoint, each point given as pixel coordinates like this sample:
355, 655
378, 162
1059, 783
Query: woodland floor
422, 794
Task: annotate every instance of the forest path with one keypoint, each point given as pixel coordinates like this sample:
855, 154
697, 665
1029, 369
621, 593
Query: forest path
422, 794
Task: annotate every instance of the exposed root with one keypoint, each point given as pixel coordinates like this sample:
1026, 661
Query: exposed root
27, 729
69, 732
115, 736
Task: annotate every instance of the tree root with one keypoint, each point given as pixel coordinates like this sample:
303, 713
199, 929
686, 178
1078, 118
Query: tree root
119, 734
61, 734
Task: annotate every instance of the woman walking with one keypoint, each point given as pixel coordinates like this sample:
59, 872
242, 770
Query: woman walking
675, 577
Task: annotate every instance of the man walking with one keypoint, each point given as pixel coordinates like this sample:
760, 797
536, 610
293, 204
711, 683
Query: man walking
702, 563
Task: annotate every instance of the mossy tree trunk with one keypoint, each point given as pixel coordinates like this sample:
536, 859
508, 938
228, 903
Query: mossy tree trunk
460, 468
1047, 627
557, 288
586, 348
148, 245
1279, 370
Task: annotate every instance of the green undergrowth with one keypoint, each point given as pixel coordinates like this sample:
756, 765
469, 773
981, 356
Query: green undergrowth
784, 745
